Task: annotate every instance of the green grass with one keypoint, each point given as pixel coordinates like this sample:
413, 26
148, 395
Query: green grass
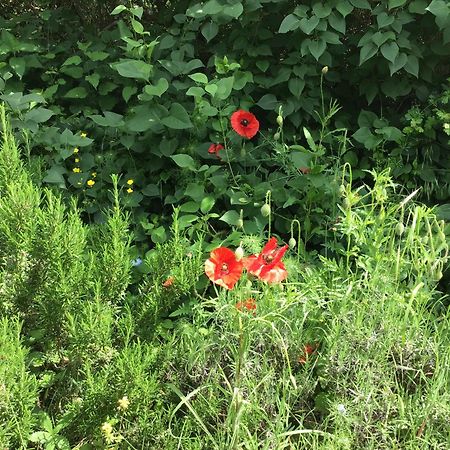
79, 333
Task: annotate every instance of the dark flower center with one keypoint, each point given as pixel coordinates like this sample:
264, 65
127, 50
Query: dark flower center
244, 122
268, 259
224, 268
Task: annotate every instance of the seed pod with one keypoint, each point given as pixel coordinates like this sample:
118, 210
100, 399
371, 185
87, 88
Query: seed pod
325, 70
280, 121
240, 223
239, 253
292, 242
276, 136
265, 210
399, 229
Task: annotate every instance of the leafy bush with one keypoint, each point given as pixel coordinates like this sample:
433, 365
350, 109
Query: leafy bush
153, 91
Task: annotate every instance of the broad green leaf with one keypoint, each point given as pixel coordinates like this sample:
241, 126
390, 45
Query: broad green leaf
289, 23
159, 235
199, 77
268, 102
133, 68
189, 207
367, 51
296, 86
362, 135
443, 212
233, 10
18, 65
207, 204
137, 11
209, 31
344, 7
128, 91
196, 191
412, 65
195, 91
224, 87
186, 219
399, 63
109, 119
97, 56
309, 139
390, 51
211, 89
241, 79
379, 38
184, 161
118, 10
212, 7
137, 26
231, 218
73, 60
39, 115
262, 65
55, 175
301, 159
78, 92
317, 48
178, 118
439, 8
337, 22
321, 10
361, 4
418, 6
383, 20
161, 86
308, 25
93, 79
396, 3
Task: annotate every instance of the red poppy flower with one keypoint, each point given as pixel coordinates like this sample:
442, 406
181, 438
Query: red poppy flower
244, 123
268, 266
249, 305
308, 349
168, 282
223, 268
214, 149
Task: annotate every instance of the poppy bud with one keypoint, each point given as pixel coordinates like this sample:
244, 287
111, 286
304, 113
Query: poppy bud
276, 136
399, 229
292, 242
342, 190
438, 275
239, 252
280, 121
265, 210
240, 223
447, 126
325, 70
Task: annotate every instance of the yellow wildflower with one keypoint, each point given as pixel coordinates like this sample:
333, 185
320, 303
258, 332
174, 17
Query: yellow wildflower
130, 182
83, 134
94, 174
107, 430
76, 170
90, 183
77, 160
76, 150
129, 190
123, 403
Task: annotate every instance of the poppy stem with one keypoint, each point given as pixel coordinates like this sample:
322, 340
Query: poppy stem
225, 144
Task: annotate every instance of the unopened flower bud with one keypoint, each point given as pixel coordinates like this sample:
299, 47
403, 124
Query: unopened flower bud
437, 275
276, 136
239, 253
240, 223
265, 210
342, 190
292, 242
399, 229
325, 70
280, 121
346, 203
447, 126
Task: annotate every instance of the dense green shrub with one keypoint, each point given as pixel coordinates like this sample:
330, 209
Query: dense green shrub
153, 91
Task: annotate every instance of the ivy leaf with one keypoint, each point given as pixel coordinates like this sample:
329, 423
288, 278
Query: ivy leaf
178, 119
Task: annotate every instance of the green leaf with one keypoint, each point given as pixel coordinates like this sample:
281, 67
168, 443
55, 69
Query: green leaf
178, 118
55, 175
109, 119
289, 23
78, 92
308, 25
133, 68
159, 235
18, 65
321, 10
38, 115
137, 26
268, 102
337, 22
73, 60
344, 7
399, 63
189, 207
93, 79
128, 91
199, 77
379, 38
317, 48
309, 139
224, 87
207, 204
231, 218
97, 56
439, 8
211, 89
234, 10
161, 86
443, 212
209, 31
118, 9
367, 51
186, 219
195, 91
383, 20
361, 4
396, 3
412, 65
362, 135
184, 161
390, 51
296, 86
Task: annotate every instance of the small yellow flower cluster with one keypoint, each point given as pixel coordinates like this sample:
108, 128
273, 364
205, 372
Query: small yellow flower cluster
107, 430
123, 403
130, 183
76, 170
